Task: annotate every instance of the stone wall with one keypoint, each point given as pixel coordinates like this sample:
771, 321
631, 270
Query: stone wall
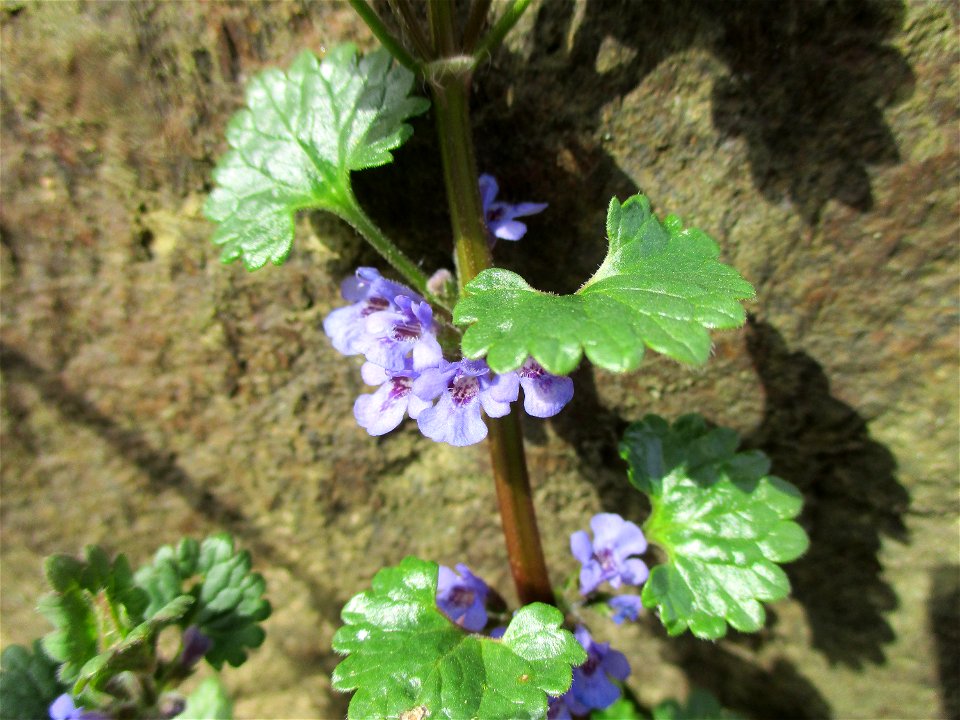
150, 392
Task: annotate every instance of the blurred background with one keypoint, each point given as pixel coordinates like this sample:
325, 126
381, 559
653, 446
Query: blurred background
150, 392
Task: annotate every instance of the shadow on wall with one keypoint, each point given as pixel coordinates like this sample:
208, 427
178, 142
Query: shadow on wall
165, 474
851, 499
807, 83
943, 611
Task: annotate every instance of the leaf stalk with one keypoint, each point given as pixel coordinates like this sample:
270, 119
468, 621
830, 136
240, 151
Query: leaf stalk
392, 43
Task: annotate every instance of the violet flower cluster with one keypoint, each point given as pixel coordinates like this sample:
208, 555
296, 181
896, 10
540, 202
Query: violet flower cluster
395, 330
609, 558
593, 686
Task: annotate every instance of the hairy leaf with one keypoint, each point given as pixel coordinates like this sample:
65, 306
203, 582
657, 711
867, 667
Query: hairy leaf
136, 651
294, 145
724, 523
28, 683
229, 603
659, 286
405, 656
94, 605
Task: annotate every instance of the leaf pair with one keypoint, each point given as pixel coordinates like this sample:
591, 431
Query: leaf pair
304, 131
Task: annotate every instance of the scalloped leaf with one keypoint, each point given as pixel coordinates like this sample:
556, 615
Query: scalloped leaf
294, 145
229, 603
660, 286
95, 604
406, 659
724, 523
28, 682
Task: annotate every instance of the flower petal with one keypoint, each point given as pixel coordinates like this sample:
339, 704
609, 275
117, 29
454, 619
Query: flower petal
630, 540
433, 382
426, 352
634, 572
508, 229
581, 547
591, 576
527, 208
615, 664
505, 388
345, 328
606, 529
546, 395
488, 190
373, 374
458, 426
382, 411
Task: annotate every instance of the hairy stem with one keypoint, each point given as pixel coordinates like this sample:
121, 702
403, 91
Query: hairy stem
475, 21
386, 38
500, 29
417, 279
407, 17
450, 84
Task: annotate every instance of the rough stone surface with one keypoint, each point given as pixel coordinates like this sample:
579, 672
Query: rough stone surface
150, 392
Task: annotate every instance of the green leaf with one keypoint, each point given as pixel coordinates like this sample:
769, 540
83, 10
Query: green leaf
28, 683
723, 522
701, 705
622, 709
208, 702
659, 286
229, 597
95, 604
135, 652
294, 145
405, 656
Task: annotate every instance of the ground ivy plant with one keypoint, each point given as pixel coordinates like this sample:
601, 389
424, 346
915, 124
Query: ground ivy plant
123, 642
454, 351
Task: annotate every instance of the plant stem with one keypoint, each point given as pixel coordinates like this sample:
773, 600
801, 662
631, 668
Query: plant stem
475, 21
441, 27
362, 223
403, 11
500, 29
386, 38
450, 84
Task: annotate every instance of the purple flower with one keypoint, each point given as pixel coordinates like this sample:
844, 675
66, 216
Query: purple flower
463, 597
544, 395
464, 388
625, 607
607, 558
195, 645
557, 709
370, 293
592, 687
497, 632
499, 216
380, 412
63, 708
405, 330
